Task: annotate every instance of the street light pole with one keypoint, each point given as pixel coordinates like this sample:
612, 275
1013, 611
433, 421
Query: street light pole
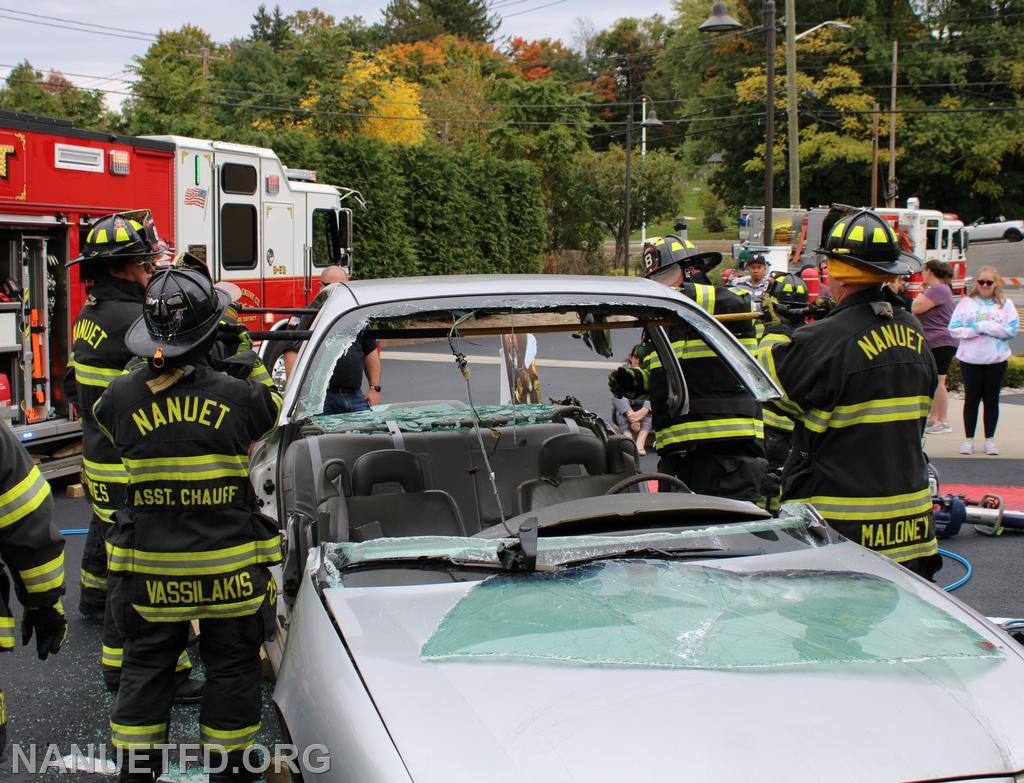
791, 108
721, 22
643, 154
629, 181
769, 124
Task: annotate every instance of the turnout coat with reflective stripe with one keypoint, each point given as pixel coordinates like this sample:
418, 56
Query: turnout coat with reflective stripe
721, 409
858, 386
31, 547
190, 540
98, 355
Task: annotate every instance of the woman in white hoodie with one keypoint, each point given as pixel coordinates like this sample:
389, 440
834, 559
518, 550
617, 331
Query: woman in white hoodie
984, 322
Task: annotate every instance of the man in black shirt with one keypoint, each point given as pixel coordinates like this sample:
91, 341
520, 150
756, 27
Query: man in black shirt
344, 393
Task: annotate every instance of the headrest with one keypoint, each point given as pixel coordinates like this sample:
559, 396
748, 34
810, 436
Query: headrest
386, 467
622, 455
571, 448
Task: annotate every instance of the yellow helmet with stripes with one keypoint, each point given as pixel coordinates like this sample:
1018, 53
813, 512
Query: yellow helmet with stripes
864, 238
121, 236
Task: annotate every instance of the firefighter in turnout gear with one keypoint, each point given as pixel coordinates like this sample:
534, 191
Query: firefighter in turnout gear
858, 385
118, 256
718, 447
786, 309
33, 557
189, 545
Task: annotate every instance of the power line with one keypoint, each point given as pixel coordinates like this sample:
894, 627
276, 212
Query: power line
531, 10
104, 27
76, 29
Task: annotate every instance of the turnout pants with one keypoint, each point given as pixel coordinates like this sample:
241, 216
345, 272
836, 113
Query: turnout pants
726, 469
229, 716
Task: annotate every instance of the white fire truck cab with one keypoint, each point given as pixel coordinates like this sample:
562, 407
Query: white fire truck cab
255, 223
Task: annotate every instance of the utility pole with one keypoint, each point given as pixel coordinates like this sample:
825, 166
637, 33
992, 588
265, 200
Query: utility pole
791, 108
769, 123
874, 156
629, 178
891, 200
204, 55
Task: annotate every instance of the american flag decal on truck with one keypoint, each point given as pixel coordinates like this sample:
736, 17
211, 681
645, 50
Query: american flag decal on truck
195, 197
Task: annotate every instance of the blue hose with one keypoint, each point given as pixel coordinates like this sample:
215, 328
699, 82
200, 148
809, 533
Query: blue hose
75, 531
962, 561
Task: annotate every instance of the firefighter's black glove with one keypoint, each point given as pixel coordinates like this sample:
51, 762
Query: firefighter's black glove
234, 337
626, 382
819, 308
50, 627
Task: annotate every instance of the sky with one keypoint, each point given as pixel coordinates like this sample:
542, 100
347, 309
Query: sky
36, 31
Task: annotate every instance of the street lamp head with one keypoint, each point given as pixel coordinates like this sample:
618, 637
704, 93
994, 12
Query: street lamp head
719, 21
652, 120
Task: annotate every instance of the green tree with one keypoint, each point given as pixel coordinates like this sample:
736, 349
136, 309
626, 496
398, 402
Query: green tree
599, 190
406, 21
272, 29
28, 90
171, 94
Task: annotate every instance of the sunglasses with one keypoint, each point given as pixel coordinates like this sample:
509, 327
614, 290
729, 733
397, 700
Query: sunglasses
985, 282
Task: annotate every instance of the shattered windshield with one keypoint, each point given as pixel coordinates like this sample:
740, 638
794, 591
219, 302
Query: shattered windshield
467, 343
667, 614
554, 550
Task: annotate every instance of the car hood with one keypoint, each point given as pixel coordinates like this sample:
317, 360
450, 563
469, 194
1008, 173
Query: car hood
509, 717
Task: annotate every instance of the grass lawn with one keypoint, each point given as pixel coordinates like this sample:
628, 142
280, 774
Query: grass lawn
695, 228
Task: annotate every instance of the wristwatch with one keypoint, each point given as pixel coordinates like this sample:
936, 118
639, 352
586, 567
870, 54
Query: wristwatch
375, 388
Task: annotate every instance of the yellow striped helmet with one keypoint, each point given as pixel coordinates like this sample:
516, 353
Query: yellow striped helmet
788, 289
121, 236
865, 238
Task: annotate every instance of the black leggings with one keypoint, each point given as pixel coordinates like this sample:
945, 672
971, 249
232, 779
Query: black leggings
982, 383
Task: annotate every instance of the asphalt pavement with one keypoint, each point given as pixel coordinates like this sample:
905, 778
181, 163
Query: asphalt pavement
63, 700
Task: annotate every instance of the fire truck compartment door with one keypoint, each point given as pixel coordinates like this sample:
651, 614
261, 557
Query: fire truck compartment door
241, 257
281, 266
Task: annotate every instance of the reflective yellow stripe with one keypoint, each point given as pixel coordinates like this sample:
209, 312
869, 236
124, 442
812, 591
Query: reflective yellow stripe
6, 632
105, 514
92, 581
91, 375
201, 467
872, 412
870, 508
903, 553
214, 561
229, 739
766, 359
183, 662
112, 656
177, 614
113, 472
775, 421
710, 430
705, 295
23, 498
44, 577
149, 736
260, 374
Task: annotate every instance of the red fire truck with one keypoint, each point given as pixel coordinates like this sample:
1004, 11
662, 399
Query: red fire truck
264, 227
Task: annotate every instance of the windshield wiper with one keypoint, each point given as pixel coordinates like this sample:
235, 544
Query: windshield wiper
670, 553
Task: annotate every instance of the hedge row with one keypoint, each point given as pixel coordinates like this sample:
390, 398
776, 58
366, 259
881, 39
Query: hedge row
1014, 378
434, 211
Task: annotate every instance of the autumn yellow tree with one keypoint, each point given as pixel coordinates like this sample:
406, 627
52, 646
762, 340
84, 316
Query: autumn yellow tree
369, 99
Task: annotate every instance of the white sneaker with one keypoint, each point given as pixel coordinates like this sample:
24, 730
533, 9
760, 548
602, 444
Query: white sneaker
967, 447
990, 448
937, 429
